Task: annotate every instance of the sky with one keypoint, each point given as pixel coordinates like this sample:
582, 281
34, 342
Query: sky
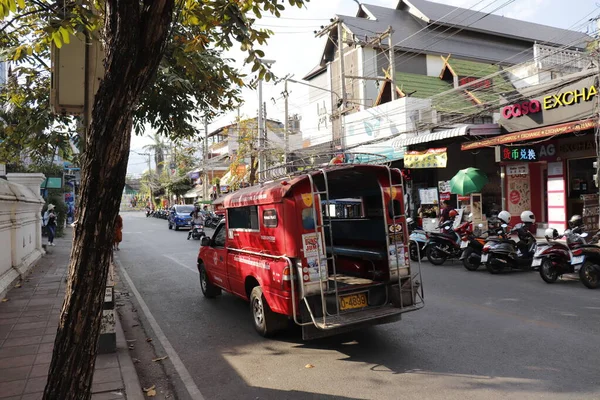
296, 50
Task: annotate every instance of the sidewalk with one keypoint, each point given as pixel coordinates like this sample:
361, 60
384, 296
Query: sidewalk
28, 322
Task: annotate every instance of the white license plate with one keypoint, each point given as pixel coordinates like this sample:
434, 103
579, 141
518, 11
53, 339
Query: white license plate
484, 258
577, 260
536, 262
464, 244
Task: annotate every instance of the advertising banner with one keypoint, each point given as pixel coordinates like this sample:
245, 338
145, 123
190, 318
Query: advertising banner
431, 158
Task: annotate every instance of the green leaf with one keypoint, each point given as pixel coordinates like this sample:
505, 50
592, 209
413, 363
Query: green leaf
21, 3
56, 39
65, 35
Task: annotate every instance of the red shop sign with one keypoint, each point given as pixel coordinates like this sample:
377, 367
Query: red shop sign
515, 197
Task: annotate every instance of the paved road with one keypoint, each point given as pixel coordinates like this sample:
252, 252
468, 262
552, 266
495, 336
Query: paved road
479, 336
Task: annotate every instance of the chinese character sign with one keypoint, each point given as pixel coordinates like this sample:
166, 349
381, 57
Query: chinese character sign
519, 154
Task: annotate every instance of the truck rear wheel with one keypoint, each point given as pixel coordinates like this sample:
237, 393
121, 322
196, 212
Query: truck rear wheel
266, 322
209, 290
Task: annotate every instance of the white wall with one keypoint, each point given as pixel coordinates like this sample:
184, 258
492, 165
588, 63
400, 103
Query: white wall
316, 126
391, 119
434, 65
20, 226
528, 75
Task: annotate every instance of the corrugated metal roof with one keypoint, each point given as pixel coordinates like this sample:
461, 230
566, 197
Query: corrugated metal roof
424, 87
435, 136
471, 68
498, 25
407, 36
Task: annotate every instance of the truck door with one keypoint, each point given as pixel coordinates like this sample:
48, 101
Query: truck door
217, 257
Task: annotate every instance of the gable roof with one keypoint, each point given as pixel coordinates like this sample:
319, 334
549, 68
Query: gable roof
478, 21
467, 68
409, 35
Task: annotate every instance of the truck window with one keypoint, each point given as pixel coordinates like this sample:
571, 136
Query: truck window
219, 238
243, 218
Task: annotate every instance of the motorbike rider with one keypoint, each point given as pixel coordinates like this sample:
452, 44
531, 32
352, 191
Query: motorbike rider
527, 218
446, 212
197, 219
576, 223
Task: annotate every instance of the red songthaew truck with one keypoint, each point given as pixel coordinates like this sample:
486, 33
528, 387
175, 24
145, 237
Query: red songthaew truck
326, 248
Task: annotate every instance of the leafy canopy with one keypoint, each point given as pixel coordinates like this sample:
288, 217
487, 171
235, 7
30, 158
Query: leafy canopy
194, 80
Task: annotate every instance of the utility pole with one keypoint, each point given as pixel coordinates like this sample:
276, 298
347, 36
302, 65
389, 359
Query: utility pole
286, 123
392, 63
342, 81
204, 164
261, 132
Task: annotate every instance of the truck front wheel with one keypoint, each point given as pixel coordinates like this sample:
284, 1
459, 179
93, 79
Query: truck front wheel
208, 289
266, 322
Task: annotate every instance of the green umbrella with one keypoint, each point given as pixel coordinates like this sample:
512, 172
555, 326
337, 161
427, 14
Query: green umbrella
467, 181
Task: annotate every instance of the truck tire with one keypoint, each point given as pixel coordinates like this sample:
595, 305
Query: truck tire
266, 322
209, 290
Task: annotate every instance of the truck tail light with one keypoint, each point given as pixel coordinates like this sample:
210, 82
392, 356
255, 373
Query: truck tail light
286, 279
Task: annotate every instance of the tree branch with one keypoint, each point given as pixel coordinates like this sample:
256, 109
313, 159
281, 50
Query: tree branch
18, 17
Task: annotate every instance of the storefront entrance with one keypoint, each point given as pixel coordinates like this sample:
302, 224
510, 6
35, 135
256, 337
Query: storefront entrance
580, 182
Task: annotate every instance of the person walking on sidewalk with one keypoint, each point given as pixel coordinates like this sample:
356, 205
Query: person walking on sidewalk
50, 223
118, 232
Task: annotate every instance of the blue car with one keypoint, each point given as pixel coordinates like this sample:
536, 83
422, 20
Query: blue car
179, 217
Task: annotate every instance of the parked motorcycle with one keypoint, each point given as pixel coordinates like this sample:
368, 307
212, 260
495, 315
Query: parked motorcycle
417, 240
586, 261
472, 247
445, 245
555, 258
502, 253
197, 232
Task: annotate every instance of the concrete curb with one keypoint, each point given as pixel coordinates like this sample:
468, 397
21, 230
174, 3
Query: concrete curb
133, 388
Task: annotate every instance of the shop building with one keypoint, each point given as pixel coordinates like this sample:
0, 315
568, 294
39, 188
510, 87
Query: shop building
547, 151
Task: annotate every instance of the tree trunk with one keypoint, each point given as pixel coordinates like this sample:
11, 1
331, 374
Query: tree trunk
135, 38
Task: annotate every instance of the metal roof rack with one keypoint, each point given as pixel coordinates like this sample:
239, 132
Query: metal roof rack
303, 165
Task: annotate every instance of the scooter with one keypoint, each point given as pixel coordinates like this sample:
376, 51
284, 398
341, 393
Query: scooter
554, 258
197, 231
502, 253
586, 261
445, 245
417, 240
472, 247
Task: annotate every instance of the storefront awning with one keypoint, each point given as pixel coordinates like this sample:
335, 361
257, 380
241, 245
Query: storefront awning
435, 136
193, 193
532, 134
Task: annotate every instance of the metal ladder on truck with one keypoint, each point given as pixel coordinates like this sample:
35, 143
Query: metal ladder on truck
330, 320
412, 277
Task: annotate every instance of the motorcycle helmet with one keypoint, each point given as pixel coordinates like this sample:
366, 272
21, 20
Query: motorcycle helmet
551, 233
409, 220
504, 216
575, 221
452, 213
527, 217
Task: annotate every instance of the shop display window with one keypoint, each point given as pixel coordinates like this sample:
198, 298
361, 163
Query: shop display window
581, 177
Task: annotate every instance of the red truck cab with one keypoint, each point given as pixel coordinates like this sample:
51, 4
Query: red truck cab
327, 248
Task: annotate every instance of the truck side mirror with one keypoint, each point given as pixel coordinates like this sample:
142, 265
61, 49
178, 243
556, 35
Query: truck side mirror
205, 241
